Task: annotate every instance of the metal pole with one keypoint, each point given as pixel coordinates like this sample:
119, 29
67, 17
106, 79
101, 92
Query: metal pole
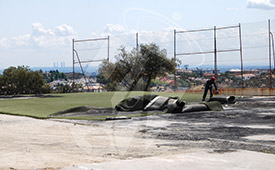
215, 52
199, 30
137, 42
108, 49
241, 53
82, 69
227, 27
175, 54
73, 64
273, 50
269, 38
95, 39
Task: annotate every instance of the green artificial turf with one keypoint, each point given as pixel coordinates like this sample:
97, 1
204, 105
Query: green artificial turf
43, 107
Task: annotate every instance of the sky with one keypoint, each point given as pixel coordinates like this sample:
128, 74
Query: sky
38, 33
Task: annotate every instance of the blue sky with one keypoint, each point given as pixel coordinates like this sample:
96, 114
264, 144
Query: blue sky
39, 32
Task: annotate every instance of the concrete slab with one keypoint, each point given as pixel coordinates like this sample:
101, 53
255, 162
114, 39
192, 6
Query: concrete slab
200, 159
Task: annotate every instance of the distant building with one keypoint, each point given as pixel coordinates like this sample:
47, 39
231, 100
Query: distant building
248, 71
247, 76
183, 71
208, 75
203, 71
257, 71
234, 71
95, 87
56, 83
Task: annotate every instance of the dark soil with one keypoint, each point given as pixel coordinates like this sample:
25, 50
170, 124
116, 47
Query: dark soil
222, 131
27, 96
83, 111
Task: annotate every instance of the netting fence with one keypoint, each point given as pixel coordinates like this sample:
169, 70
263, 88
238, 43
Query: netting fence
239, 56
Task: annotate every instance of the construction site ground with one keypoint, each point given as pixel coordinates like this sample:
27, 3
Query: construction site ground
240, 137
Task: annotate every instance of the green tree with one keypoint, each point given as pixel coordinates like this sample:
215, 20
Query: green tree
155, 63
21, 80
134, 68
107, 77
54, 75
63, 88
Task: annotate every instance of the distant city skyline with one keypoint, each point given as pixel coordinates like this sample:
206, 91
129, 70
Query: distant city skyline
62, 64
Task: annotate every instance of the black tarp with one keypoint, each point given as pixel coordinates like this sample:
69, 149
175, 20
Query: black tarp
171, 105
141, 104
224, 99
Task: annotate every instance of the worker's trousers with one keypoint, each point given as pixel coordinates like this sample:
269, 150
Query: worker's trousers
205, 92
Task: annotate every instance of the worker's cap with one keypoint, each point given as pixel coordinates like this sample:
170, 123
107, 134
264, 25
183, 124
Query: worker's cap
213, 78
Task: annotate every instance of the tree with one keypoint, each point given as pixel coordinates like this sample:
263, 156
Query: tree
21, 80
54, 75
63, 88
133, 68
106, 75
155, 63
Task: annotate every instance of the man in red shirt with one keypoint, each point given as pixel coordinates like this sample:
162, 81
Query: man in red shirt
208, 86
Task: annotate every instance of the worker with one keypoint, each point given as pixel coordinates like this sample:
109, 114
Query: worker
208, 86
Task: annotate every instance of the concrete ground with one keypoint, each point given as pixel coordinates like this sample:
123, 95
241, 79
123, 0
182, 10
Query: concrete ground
240, 137
192, 160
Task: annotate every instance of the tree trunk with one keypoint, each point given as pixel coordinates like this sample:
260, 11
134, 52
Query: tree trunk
148, 82
135, 83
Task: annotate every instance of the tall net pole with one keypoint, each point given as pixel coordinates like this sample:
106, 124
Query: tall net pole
175, 58
79, 61
269, 39
215, 52
108, 48
137, 45
273, 48
73, 85
241, 53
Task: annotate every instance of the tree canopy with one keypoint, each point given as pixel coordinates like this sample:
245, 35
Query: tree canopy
55, 75
135, 70
21, 80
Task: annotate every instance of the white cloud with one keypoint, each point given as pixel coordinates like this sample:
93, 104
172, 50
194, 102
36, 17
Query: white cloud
41, 37
39, 30
4, 43
48, 38
261, 4
114, 28
21, 40
64, 30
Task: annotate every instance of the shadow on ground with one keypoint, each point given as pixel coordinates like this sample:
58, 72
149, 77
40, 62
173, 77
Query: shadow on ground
28, 96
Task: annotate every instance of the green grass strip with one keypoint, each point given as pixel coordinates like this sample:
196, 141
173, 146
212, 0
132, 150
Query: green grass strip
43, 107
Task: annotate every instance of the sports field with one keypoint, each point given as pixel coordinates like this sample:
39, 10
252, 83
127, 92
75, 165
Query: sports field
45, 106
